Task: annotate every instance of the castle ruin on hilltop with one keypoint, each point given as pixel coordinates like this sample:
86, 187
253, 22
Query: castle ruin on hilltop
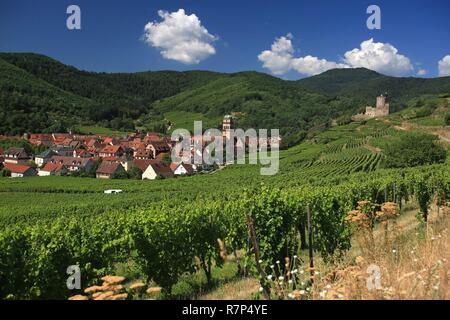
381, 110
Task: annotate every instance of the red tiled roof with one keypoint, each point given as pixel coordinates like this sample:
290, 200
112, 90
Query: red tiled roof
51, 167
160, 146
188, 167
107, 140
111, 149
143, 164
16, 168
110, 159
143, 153
154, 135
91, 142
10, 137
70, 161
17, 152
162, 169
40, 136
108, 167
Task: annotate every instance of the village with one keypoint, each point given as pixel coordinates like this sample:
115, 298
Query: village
145, 156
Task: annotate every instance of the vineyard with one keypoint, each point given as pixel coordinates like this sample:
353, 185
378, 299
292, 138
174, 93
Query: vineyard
169, 228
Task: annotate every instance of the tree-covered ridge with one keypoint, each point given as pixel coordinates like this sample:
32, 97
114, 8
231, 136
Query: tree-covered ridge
363, 85
116, 95
28, 103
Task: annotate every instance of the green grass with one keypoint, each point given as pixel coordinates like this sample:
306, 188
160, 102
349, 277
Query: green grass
185, 120
429, 121
100, 131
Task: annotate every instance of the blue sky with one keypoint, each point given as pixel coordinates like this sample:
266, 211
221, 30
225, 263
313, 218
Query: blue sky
112, 38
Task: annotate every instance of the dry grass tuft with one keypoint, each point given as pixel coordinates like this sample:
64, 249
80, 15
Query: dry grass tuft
417, 267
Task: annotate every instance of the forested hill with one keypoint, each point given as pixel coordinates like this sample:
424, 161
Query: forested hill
40, 94
362, 85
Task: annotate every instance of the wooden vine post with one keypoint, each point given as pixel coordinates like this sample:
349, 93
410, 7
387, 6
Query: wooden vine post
262, 273
310, 243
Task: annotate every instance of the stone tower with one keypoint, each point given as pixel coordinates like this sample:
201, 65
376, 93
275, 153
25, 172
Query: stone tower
226, 126
381, 101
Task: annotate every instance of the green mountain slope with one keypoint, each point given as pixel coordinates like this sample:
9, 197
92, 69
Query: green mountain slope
117, 95
40, 94
262, 100
28, 103
362, 85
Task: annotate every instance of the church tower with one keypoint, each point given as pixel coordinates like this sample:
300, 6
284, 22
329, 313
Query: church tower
226, 126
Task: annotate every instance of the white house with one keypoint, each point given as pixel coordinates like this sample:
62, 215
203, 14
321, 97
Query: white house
52, 169
155, 170
20, 171
44, 157
16, 156
181, 169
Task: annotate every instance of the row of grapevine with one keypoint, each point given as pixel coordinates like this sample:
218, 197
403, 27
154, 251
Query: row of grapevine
173, 239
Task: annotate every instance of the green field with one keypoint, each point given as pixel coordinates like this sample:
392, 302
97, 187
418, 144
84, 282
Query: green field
100, 131
185, 120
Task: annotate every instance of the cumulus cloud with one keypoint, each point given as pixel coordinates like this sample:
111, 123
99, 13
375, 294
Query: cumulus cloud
422, 72
180, 37
280, 60
380, 57
310, 65
377, 56
444, 66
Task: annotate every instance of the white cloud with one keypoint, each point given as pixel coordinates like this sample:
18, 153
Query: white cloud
377, 56
180, 37
422, 72
380, 57
310, 65
280, 60
444, 66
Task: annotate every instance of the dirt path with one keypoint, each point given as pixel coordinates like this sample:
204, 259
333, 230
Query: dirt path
241, 289
372, 148
442, 133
